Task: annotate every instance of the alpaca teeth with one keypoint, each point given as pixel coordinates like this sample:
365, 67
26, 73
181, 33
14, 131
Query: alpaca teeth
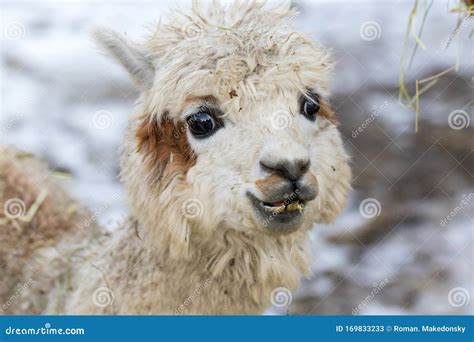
276, 209
293, 206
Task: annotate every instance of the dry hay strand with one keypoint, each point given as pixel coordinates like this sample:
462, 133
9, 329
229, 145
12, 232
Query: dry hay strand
465, 9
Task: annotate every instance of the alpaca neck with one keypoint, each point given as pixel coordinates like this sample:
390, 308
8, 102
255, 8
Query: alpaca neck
230, 272
239, 270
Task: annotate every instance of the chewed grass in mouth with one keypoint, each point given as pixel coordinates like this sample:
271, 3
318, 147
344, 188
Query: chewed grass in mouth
284, 206
280, 217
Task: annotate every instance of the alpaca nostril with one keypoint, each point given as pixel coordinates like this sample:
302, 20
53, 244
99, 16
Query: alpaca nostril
292, 170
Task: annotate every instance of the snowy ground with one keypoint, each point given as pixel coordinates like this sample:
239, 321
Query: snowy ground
63, 100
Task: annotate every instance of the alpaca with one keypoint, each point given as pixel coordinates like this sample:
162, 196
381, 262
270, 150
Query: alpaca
231, 157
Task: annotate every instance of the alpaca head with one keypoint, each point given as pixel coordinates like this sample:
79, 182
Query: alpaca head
233, 129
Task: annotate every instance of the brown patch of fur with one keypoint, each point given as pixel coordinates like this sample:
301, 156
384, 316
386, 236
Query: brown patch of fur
165, 147
274, 183
270, 184
327, 112
270, 181
310, 180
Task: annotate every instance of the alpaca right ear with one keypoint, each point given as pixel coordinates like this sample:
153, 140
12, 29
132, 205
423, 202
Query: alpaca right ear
132, 56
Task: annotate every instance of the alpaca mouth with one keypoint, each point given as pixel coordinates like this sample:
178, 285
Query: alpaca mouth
281, 216
284, 207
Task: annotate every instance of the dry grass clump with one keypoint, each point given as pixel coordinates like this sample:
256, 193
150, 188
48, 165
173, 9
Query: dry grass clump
465, 11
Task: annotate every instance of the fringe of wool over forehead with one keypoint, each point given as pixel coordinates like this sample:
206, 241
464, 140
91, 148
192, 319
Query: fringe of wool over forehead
243, 51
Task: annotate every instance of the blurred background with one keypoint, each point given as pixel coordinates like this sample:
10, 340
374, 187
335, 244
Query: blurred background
404, 245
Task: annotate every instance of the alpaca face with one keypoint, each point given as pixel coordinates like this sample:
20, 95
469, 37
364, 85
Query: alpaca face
233, 130
273, 167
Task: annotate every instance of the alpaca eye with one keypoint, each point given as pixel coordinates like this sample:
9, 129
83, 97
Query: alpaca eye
202, 124
310, 107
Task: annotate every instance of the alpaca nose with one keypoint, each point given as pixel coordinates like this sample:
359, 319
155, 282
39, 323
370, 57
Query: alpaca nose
292, 169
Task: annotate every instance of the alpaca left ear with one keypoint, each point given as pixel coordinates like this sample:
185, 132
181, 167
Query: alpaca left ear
131, 55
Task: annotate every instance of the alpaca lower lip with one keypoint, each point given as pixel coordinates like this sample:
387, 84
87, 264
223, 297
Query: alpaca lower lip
278, 216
